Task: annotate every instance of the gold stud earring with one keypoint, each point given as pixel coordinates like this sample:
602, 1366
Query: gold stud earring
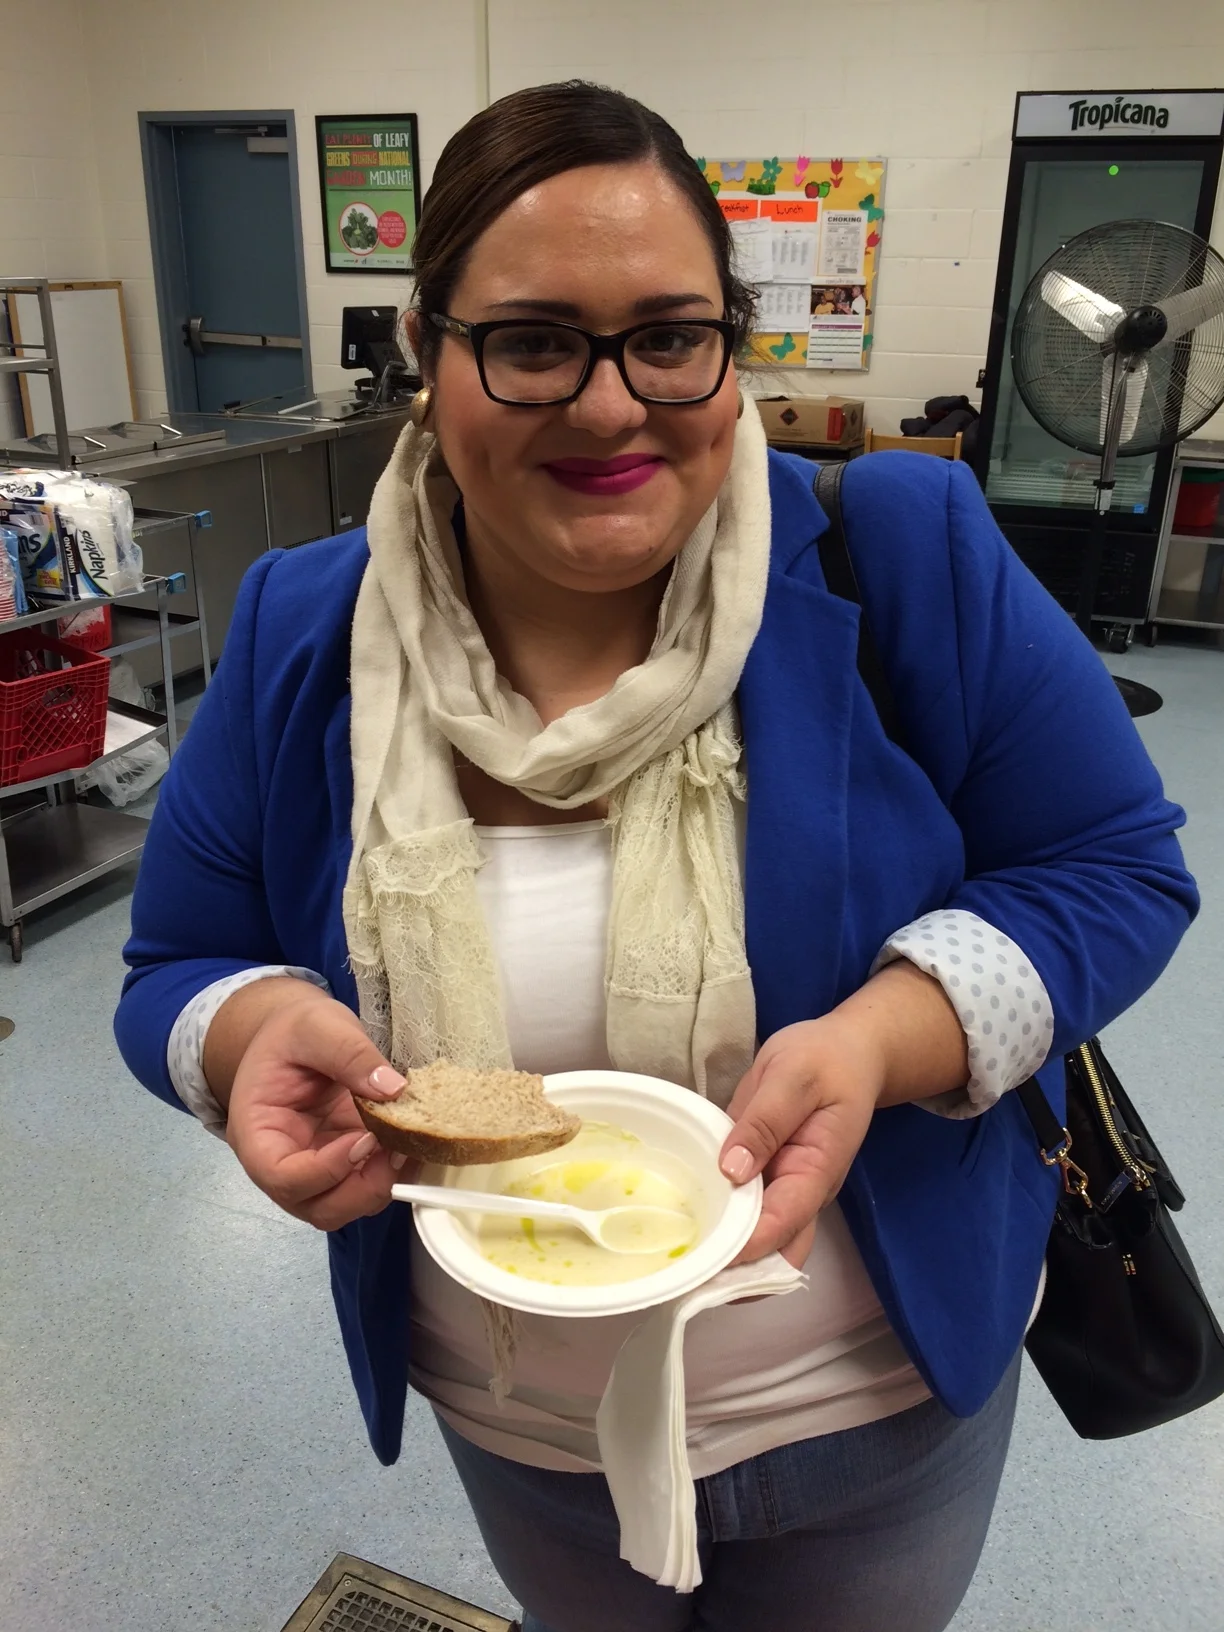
421, 407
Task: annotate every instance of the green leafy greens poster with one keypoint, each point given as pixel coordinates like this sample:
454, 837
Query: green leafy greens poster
368, 169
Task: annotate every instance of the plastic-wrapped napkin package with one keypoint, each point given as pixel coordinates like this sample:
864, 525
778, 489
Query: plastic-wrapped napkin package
76, 534
13, 603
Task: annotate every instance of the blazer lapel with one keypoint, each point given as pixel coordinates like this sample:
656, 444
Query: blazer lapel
796, 702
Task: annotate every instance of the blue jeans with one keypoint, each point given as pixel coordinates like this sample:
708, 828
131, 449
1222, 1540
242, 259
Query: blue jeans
876, 1529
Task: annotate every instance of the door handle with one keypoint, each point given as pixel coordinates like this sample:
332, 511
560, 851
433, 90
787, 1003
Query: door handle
196, 336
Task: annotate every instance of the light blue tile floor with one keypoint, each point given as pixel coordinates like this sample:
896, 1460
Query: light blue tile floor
179, 1442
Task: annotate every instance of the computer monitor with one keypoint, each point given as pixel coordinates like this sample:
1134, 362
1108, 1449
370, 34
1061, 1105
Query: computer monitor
367, 338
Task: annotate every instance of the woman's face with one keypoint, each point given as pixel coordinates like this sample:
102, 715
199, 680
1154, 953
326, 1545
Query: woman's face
605, 247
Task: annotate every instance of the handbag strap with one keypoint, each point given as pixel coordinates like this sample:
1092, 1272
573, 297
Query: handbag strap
840, 579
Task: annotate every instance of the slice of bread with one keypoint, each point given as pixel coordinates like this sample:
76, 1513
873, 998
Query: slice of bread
462, 1118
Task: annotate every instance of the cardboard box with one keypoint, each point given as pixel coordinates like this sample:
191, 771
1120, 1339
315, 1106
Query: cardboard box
835, 422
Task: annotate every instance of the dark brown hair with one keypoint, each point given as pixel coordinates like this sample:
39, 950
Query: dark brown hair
529, 137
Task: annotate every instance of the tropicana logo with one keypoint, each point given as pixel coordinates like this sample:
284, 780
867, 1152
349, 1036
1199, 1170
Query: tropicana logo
1118, 112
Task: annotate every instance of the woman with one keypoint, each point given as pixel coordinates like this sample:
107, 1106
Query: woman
485, 781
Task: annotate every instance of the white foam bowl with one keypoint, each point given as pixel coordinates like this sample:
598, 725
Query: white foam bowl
682, 1125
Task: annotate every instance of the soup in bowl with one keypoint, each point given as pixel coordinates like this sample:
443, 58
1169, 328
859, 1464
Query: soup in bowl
643, 1142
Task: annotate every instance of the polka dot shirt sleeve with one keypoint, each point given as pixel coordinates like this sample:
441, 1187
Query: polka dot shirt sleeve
998, 996
185, 1051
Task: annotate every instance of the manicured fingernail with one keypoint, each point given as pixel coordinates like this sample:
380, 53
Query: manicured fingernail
398, 1158
386, 1080
365, 1146
737, 1164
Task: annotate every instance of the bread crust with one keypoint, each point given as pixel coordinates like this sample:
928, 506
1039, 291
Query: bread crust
448, 1152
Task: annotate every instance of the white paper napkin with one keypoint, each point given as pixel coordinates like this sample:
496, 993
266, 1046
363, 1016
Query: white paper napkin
642, 1428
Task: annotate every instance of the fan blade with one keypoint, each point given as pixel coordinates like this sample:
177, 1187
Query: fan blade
1136, 380
1091, 313
1191, 308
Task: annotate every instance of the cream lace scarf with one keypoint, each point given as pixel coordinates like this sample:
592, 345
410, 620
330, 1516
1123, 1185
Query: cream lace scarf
663, 747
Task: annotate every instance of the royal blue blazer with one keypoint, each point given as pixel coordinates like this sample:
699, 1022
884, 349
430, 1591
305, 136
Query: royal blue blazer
1028, 800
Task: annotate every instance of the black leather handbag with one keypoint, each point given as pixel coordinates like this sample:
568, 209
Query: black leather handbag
1125, 1338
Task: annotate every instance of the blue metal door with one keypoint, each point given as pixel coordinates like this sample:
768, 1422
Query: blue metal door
243, 320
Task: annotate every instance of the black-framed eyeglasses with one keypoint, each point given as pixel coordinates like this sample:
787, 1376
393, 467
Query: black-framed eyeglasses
534, 363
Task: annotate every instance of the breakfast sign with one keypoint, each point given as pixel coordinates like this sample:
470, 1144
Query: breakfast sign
807, 237
369, 173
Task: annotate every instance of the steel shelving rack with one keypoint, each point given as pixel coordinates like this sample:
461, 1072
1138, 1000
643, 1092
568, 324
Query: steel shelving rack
51, 842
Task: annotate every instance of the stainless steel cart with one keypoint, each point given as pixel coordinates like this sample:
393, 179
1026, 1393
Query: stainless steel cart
1188, 586
50, 842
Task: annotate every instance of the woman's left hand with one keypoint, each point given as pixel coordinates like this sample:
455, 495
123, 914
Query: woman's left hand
801, 1113
804, 1107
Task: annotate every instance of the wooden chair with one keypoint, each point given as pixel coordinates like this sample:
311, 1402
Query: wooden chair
943, 447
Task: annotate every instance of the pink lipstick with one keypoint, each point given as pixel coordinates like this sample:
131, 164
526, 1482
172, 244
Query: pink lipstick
605, 477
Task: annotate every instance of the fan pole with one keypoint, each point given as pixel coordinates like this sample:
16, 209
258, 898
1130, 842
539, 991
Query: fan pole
1094, 551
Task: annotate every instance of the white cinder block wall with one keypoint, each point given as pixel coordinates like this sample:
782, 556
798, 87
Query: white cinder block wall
310, 56
927, 84
50, 204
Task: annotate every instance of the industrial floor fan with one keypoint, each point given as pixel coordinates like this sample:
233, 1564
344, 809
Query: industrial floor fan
1118, 350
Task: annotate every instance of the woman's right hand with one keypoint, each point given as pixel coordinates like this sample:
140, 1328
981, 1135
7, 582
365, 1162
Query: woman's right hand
289, 1059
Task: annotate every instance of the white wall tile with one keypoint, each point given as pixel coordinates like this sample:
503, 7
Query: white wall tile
952, 329
984, 239
17, 179
51, 217
130, 258
928, 232
956, 283
149, 403
941, 184
25, 258
929, 84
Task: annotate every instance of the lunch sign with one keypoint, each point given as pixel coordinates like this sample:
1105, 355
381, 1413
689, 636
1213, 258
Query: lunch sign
368, 179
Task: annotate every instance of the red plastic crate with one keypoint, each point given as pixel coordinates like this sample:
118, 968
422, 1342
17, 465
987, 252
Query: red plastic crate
91, 636
1198, 501
52, 720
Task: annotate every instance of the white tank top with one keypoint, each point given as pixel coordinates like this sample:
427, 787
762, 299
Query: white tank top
758, 1375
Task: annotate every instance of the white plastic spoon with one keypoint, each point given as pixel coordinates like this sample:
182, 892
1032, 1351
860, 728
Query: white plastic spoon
619, 1229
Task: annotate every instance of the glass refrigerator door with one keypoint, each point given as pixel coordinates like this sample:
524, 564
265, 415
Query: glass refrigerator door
1061, 197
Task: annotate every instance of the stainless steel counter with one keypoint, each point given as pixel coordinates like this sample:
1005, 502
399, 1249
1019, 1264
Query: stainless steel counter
243, 438
270, 484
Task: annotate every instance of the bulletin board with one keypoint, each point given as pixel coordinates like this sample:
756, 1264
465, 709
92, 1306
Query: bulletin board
807, 235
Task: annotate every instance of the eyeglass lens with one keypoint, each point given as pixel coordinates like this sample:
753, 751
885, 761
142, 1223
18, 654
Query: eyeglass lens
544, 362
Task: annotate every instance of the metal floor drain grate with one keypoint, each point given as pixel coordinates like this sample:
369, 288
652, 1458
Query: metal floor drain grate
353, 1595
364, 1612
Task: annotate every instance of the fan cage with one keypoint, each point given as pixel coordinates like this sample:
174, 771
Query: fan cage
1063, 375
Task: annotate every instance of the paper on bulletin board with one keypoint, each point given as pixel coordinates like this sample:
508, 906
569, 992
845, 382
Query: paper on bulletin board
792, 200
783, 306
794, 252
843, 246
753, 244
835, 342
